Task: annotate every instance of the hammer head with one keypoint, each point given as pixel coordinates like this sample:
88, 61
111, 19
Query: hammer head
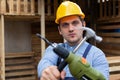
91, 33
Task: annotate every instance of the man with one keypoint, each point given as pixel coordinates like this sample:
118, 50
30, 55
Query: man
70, 19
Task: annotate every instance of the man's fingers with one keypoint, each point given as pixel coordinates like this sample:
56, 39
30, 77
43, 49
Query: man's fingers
63, 74
50, 73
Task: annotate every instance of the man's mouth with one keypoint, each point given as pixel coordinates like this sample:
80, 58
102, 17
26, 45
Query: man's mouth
71, 35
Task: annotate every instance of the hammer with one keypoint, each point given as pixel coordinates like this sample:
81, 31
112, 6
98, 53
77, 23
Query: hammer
89, 34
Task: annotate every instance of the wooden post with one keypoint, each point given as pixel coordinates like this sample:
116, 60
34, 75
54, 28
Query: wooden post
2, 47
41, 10
32, 6
39, 7
118, 7
114, 8
101, 10
18, 7
25, 7
3, 6
109, 8
11, 6
49, 7
55, 6
105, 9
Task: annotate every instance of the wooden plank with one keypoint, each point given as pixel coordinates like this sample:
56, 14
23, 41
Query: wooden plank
109, 46
23, 78
18, 61
20, 67
114, 61
105, 27
113, 58
109, 34
112, 40
114, 69
15, 55
115, 77
21, 73
114, 52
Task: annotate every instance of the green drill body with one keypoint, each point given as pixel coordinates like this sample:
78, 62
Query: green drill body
80, 67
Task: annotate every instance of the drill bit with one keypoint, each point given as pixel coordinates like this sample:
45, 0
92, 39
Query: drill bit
48, 42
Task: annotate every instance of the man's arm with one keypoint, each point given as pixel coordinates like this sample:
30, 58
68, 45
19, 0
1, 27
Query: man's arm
100, 63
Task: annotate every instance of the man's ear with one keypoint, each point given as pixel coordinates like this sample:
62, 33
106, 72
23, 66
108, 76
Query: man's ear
84, 23
59, 30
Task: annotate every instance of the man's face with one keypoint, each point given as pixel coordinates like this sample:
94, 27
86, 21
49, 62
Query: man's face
69, 28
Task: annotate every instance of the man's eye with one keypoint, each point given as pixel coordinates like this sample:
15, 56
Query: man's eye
75, 23
65, 25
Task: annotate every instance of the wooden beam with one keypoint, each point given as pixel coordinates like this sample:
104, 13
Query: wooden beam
22, 54
115, 77
25, 6
42, 21
109, 34
101, 9
18, 6
105, 8
55, 6
32, 6
114, 8
2, 47
112, 40
49, 7
11, 6
3, 6
108, 27
118, 7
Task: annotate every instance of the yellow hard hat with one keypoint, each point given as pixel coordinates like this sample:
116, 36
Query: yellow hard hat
68, 8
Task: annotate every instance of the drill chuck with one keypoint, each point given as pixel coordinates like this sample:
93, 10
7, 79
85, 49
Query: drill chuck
61, 51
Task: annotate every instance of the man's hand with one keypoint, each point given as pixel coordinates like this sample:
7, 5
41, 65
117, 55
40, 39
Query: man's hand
52, 73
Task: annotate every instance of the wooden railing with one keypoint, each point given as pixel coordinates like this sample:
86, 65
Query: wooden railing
17, 7
108, 9
108, 26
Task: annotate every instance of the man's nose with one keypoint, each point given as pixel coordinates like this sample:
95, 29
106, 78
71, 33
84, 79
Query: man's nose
71, 27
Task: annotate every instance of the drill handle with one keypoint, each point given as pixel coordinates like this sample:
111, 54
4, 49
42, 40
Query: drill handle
62, 65
61, 51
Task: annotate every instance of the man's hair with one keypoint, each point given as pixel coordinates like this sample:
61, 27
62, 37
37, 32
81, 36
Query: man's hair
82, 20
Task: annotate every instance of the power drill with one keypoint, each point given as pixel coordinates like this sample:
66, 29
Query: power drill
78, 66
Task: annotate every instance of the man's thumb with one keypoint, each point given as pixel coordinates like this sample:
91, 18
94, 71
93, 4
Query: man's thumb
63, 73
